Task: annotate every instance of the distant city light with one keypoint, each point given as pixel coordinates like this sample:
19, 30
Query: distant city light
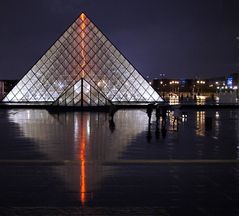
200, 82
174, 82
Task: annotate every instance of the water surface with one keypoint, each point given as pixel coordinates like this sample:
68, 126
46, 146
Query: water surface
74, 159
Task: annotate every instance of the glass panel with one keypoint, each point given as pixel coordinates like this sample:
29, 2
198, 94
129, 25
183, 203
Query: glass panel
121, 58
44, 58
66, 35
77, 99
140, 79
146, 95
53, 49
103, 39
141, 90
156, 97
136, 85
70, 30
57, 44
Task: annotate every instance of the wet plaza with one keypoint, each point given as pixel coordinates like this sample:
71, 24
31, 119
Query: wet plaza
79, 163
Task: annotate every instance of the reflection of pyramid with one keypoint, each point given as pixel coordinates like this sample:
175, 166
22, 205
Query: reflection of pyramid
82, 52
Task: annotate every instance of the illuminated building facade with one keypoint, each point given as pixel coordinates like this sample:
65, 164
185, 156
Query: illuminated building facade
82, 68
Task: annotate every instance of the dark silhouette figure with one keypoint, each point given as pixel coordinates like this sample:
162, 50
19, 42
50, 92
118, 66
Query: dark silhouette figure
158, 113
164, 116
111, 125
181, 97
149, 111
195, 98
177, 116
112, 111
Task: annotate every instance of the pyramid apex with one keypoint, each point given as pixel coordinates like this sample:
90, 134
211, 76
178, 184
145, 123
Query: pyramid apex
82, 16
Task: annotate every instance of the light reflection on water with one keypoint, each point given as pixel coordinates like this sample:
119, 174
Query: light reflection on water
88, 137
200, 123
60, 136
83, 137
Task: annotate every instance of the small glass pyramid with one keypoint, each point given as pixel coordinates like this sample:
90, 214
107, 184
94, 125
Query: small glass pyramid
82, 94
82, 52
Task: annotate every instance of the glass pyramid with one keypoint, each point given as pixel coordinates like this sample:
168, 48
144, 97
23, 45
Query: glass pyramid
82, 52
82, 94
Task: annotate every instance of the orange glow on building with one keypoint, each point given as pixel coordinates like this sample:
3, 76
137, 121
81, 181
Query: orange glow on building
82, 156
82, 43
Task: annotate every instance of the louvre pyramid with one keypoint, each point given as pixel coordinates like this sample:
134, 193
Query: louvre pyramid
82, 52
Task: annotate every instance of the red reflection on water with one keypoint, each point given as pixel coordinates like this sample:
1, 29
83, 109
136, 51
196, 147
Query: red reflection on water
82, 157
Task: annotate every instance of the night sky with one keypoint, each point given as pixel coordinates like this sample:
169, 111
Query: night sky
181, 38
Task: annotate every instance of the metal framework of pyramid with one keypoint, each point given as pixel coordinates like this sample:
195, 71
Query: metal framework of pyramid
82, 53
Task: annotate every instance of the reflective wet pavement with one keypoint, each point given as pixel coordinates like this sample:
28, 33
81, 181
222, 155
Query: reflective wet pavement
81, 164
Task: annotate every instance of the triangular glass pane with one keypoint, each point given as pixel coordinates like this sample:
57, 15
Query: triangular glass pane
89, 95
